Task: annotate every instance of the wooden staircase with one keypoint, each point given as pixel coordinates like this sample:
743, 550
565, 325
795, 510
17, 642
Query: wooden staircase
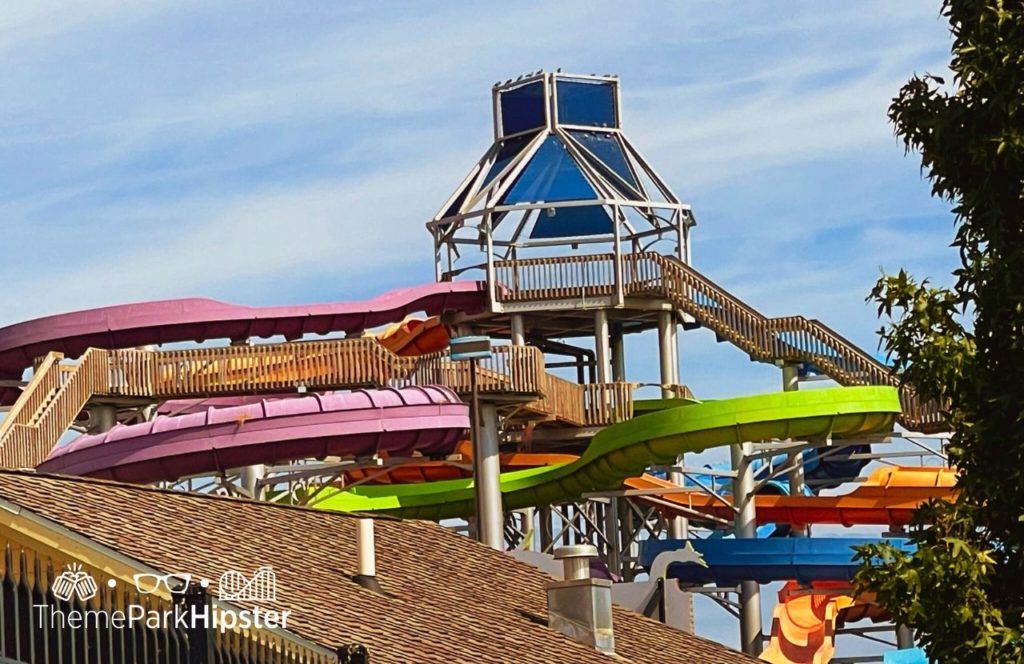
58, 392
791, 339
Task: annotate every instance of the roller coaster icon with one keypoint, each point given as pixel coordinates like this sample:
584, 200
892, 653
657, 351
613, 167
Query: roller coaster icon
261, 587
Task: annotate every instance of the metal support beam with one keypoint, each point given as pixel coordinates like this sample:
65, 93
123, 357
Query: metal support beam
250, 476
666, 355
518, 331
530, 529
612, 536
668, 361
490, 522
673, 346
791, 383
904, 637
746, 527
102, 418
545, 528
618, 354
601, 346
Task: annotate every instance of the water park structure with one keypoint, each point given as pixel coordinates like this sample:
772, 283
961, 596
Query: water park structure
559, 241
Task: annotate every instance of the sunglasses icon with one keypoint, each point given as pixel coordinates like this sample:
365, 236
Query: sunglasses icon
176, 584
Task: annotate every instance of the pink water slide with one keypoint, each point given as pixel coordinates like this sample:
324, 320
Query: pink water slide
197, 319
360, 423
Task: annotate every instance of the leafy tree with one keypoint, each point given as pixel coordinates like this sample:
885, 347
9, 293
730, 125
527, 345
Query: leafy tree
963, 591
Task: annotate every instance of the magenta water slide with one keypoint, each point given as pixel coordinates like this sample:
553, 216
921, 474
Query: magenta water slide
359, 423
198, 319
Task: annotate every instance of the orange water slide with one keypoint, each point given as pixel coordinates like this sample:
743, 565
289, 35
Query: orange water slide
415, 336
458, 467
804, 624
889, 496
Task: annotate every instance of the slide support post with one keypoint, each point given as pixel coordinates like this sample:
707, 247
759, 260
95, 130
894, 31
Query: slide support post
518, 330
904, 637
102, 418
746, 527
612, 535
601, 346
668, 355
490, 522
250, 476
791, 383
618, 354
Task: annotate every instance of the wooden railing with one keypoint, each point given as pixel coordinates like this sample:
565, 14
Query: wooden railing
28, 440
57, 393
46, 380
789, 339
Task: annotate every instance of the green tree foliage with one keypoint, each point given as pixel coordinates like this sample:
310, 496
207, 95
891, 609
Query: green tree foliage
963, 591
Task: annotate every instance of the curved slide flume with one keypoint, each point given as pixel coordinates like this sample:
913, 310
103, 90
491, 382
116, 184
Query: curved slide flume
804, 626
888, 497
625, 450
809, 608
198, 319
360, 423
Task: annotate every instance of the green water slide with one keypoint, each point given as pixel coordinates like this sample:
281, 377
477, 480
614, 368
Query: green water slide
659, 432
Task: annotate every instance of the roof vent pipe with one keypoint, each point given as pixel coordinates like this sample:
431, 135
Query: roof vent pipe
580, 606
575, 561
366, 555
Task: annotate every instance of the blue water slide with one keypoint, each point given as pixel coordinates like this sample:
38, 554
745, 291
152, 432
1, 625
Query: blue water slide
730, 561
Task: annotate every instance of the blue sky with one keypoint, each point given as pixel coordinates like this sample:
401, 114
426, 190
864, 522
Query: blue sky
263, 153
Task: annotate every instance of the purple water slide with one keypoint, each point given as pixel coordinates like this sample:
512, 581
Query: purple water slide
197, 319
359, 423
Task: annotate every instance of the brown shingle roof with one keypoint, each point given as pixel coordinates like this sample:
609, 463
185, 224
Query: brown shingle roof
450, 599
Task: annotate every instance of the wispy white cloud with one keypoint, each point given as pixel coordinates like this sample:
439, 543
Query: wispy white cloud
193, 149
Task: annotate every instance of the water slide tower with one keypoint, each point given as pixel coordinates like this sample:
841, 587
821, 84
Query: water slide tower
562, 195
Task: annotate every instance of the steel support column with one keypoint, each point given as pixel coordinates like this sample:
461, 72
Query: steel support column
249, 478
486, 479
612, 536
102, 419
746, 528
618, 354
790, 383
668, 357
518, 331
602, 347
904, 637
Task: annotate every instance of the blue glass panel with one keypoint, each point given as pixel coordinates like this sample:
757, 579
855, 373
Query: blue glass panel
589, 103
608, 150
457, 203
508, 151
572, 222
551, 175
522, 108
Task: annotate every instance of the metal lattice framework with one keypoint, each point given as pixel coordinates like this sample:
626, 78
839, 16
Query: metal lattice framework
560, 172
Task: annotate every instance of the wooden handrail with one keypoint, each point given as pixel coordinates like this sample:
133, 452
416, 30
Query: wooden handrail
787, 339
58, 393
45, 380
64, 393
